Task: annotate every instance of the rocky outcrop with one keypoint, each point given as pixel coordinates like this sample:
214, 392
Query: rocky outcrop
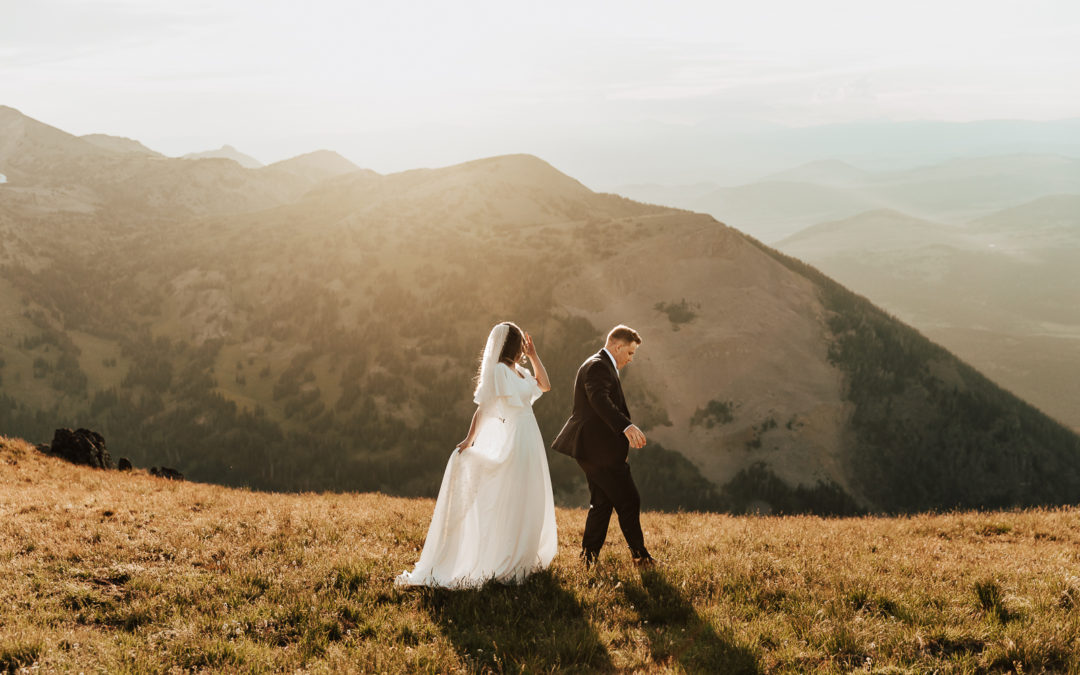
81, 446
166, 472
87, 447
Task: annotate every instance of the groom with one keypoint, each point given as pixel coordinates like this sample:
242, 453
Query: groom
598, 435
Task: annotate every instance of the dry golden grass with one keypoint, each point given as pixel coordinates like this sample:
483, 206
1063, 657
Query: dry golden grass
126, 572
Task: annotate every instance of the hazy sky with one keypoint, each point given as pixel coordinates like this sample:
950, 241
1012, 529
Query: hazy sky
393, 84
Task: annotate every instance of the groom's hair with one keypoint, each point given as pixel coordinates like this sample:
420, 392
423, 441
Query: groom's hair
624, 334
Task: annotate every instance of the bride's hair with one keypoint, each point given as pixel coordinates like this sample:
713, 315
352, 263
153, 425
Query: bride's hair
512, 348
514, 345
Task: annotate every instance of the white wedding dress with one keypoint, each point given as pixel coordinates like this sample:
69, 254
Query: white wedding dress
494, 518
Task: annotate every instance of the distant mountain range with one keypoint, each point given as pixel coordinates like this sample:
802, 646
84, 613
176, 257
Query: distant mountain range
1002, 290
981, 254
227, 152
316, 166
784, 203
311, 325
729, 152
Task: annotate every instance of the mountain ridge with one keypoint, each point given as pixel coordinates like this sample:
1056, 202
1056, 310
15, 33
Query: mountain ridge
885, 222
316, 166
120, 144
298, 336
953, 191
226, 152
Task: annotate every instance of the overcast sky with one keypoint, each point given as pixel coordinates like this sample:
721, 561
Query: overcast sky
393, 84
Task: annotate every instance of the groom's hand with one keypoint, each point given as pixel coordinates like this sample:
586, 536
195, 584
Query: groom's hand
635, 436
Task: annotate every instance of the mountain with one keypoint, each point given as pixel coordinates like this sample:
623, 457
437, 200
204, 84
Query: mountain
316, 166
883, 229
325, 337
56, 172
226, 152
954, 191
967, 188
773, 209
1000, 291
497, 193
733, 152
120, 144
1042, 223
830, 172
31, 148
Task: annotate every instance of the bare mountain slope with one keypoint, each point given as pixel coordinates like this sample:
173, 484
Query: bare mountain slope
227, 152
31, 150
328, 339
758, 344
505, 191
316, 166
57, 172
120, 144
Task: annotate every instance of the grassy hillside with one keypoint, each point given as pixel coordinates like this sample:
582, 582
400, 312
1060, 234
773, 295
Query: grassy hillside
126, 572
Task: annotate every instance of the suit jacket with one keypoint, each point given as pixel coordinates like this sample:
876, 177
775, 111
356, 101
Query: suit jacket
594, 432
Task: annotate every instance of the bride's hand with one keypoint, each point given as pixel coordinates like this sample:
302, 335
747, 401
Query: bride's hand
464, 444
530, 348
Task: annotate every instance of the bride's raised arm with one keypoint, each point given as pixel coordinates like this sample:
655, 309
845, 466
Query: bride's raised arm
538, 368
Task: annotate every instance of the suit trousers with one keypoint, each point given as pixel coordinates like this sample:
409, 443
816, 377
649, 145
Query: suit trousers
612, 488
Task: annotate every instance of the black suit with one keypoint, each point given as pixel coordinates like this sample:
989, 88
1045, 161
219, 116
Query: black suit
594, 436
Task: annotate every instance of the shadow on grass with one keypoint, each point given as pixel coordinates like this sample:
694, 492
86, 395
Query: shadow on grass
678, 634
536, 627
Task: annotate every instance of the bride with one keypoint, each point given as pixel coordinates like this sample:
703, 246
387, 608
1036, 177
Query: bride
495, 517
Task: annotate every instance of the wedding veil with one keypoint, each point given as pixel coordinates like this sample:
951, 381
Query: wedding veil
485, 384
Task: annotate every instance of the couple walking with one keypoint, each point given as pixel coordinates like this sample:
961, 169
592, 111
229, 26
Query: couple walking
494, 518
